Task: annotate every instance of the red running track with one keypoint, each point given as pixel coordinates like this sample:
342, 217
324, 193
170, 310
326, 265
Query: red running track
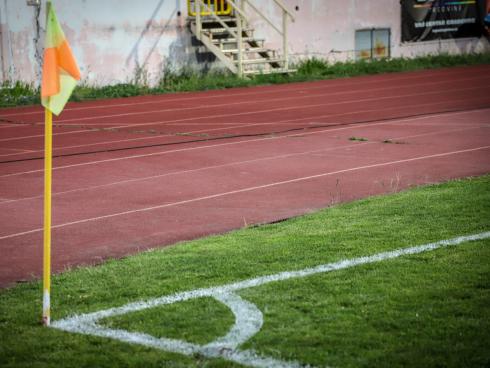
138, 173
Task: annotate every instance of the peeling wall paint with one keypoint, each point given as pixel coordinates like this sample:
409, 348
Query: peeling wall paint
326, 29
118, 41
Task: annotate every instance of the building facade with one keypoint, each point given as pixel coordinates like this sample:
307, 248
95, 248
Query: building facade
117, 41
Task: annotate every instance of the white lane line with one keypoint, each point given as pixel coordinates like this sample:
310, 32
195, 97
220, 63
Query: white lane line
268, 158
12, 125
16, 149
220, 93
322, 131
244, 190
248, 321
248, 318
248, 113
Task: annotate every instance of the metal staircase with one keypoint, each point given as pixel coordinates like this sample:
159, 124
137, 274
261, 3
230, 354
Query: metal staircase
223, 28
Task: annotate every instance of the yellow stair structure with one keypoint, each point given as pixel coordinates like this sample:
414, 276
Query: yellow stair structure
223, 27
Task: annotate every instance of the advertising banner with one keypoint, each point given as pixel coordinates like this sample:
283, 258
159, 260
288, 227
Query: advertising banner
486, 18
426, 20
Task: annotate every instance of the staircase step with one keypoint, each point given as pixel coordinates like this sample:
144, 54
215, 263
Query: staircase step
209, 19
247, 50
234, 40
224, 30
223, 43
269, 71
260, 61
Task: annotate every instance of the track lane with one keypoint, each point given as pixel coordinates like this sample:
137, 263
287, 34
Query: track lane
448, 99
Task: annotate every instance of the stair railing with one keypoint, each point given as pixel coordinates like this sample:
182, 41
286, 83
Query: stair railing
241, 19
282, 30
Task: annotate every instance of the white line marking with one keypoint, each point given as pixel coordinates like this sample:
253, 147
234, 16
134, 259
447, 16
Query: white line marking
22, 151
151, 177
238, 191
11, 125
248, 317
220, 93
248, 321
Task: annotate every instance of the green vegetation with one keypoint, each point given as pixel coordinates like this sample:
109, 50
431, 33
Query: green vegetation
14, 94
18, 93
426, 310
358, 139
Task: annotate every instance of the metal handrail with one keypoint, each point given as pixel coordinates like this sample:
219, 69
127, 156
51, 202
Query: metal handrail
284, 8
236, 9
241, 18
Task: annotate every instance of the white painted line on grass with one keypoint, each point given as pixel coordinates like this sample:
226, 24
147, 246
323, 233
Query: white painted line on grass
239, 191
248, 318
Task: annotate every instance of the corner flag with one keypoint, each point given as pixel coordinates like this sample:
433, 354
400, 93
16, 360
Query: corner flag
60, 75
60, 70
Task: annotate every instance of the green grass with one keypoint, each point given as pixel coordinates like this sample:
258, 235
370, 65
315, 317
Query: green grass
358, 139
205, 320
186, 80
430, 310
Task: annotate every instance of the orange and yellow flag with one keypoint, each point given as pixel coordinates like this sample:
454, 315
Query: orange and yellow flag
60, 70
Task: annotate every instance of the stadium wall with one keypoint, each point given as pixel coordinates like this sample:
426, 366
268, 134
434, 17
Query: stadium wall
117, 41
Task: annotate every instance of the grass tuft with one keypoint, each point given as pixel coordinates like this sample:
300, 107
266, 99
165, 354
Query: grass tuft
359, 139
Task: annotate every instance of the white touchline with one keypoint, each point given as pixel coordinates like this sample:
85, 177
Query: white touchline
200, 97
248, 318
238, 191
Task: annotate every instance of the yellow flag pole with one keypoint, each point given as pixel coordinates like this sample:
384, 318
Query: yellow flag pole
48, 147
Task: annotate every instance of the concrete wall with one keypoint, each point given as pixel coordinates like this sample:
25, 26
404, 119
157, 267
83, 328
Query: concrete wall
122, 40
326, 29
113, 40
